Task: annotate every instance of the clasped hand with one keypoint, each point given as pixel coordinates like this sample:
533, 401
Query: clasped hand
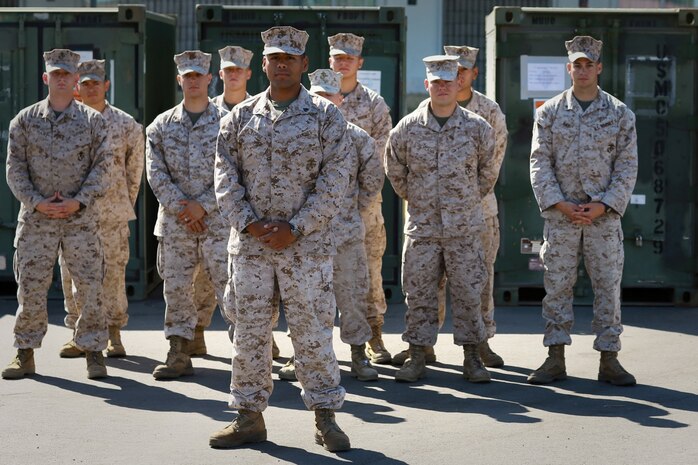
274, 234
582, 214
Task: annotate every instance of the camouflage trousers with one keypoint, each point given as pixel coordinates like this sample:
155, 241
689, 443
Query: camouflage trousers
114, 238
601, 246
350, 283
424, 262
178, 260
305, 286
205, 299
375, 243
37, 245
490, 246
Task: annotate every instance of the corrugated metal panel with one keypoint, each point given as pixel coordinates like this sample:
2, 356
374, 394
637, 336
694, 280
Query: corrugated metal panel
464, 24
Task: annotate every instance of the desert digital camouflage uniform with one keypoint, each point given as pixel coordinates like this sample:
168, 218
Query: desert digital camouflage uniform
219, 101
583, 156
70, 154
289, 167
443, 173
490, 111
350, 267
115, 209
366, 109
179, 163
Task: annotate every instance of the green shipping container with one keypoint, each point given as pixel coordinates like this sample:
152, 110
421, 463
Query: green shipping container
383, 70
649, 62
132, 41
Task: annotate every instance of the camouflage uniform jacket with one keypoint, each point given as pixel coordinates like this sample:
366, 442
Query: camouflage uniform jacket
366, 180
489, 109
292, 169
179, 164
366, 109
127, 142
442, 172
219, 101
70, 154
584, 156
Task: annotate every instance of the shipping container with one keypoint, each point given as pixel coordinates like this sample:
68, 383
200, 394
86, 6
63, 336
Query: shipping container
138, 47
649, 62
383, 71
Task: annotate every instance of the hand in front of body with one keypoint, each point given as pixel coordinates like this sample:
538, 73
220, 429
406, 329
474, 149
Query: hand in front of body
58, 207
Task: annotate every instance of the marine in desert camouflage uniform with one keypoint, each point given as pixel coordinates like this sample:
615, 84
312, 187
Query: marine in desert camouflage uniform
366, 109
58, 159
583, 171
349, 265
440, 159
235, 72
191, 232
474, 101
115, 208
281, 175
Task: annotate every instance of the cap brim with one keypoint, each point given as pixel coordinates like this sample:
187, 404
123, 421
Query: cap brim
287, 50
68, 68
232, 64
577, 55
337, 51
326, 89
443, 76
466, 64
191, 69
91, 77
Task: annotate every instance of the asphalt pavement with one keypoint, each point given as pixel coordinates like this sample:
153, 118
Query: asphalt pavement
59, 416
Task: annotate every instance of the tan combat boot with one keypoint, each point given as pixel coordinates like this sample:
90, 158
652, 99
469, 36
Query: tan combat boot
115, 348
400, 357
248, 427
611, 371
414, 367
275, 352
71, 350
473, 370
552, 369
361, 368
328, 434
288, 371
197, 346
21, 366
375, 349
488, 356
178, 362
95, 365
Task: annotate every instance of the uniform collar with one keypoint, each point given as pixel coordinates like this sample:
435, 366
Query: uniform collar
48, 112
427, 119
600, 102
209, 115
302, 105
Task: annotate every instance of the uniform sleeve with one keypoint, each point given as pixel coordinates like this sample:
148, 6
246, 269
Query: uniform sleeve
17, 169
324, 201
230, 193
499, 124
371, 175
396, 163
98, 180
624, 172
543, 180
135, 160
159, 178
382, 124
487, 167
